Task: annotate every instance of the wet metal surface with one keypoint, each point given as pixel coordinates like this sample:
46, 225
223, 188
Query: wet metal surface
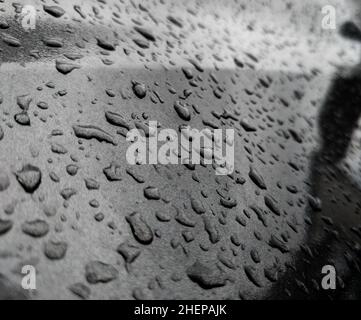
96, 227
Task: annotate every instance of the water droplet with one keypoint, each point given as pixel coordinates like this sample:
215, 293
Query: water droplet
145, 33
100, 272
113, 172
116, 119
91, 184
140, 228
35, 228
257, 178
151, 193
65, 67
11, 41
139, 89
67, 193
93, 132
206, 276
29, 177
253, 275
5, 226
104, 44
277, 243
81, 290
182, 111
55, 250
55, 11
129, 252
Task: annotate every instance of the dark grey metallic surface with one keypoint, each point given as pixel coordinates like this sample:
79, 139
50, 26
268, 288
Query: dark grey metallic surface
264, 62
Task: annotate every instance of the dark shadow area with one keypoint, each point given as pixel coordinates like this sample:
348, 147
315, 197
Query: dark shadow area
10, 291
333, 210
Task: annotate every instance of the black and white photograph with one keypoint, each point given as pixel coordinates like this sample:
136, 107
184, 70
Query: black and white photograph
171, 151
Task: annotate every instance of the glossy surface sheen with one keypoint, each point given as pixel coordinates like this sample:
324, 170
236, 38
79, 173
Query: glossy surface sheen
96, 227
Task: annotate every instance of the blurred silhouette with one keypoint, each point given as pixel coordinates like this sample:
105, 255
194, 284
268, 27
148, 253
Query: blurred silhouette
330, 241
341, 109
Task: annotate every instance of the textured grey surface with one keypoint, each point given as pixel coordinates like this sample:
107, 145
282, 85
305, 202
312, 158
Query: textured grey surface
265, 62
